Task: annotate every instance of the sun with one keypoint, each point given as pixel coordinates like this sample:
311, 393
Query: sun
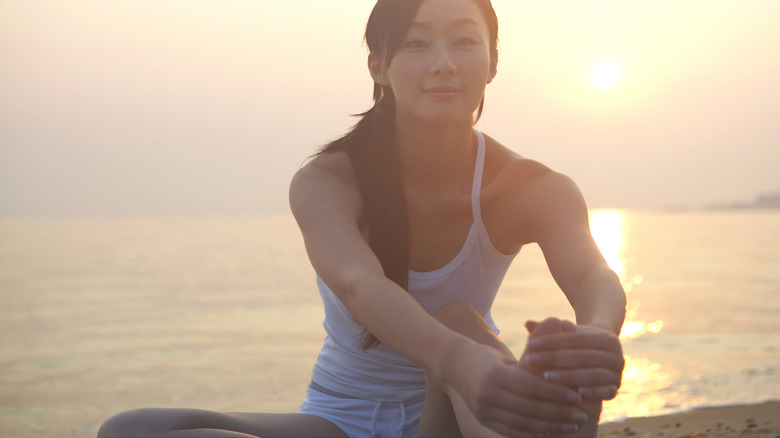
606, 75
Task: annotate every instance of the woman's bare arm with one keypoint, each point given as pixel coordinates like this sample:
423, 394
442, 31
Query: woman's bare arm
326, 205
592, 356
575, 261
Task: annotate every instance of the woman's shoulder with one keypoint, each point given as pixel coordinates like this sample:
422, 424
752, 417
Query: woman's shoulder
326, 176
324, 171
507, 170
524, 183
334, 164
524, 194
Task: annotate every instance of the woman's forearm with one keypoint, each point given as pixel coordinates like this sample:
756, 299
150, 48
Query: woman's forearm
397, 320
600, 301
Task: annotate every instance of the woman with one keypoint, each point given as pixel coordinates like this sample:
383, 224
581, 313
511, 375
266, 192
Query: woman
410, 221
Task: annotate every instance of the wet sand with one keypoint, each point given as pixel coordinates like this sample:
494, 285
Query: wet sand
749, 421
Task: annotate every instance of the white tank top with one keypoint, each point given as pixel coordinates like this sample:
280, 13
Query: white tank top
380, 374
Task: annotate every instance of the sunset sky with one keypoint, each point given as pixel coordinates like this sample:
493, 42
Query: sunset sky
210, 106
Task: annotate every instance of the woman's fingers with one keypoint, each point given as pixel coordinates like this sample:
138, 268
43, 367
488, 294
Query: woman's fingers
508, 423
525, 385
513, 415
574, 359
583, 338
584, 358
513, 400
599, 393
585, 348
583, 378
526, 407
499, 391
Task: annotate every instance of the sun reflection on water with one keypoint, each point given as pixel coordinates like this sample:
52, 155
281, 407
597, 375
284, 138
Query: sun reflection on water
610, 230
607, 229
647, 389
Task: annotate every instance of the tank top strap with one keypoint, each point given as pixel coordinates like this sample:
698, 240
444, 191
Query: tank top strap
476, 185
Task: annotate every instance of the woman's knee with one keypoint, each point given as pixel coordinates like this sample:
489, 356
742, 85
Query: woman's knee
459, 316
464, 319
125, 424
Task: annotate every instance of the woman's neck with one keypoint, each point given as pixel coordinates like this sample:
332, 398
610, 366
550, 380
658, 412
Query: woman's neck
436, 155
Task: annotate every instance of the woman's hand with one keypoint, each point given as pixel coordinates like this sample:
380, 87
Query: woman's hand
513, 401
587, 359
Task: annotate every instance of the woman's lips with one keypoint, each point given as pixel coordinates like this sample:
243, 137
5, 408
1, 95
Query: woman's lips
442, 91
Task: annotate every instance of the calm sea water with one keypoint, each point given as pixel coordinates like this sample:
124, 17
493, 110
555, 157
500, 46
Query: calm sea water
103, 315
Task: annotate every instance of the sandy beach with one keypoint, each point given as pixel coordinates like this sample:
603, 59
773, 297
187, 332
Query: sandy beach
753, 421
749, 421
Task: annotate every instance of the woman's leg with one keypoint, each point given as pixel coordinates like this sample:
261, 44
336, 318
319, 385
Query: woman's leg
444, 411
192, 423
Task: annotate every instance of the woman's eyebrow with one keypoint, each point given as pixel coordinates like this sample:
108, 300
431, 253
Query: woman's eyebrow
456, 23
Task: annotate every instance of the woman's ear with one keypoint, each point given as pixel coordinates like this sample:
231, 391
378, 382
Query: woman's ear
493, 68
377, 69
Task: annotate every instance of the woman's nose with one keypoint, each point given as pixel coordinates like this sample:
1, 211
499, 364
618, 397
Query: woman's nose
443, 62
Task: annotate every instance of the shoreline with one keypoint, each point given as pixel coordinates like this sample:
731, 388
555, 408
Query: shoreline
759, 420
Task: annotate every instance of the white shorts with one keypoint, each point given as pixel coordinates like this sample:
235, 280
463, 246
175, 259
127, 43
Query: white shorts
360, 418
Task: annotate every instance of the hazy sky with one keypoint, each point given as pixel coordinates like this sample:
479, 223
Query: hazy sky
209, 106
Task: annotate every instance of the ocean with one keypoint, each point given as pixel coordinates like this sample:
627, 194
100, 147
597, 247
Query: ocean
100, 315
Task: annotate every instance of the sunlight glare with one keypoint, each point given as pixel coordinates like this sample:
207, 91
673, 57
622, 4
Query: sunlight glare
634, 328
605, 226
647, 389
606, 75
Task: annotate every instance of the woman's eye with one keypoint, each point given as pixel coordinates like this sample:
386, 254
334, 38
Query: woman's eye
466, 42
415, 44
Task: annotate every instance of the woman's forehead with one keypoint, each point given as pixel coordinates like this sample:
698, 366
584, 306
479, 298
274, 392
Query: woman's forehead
448, 13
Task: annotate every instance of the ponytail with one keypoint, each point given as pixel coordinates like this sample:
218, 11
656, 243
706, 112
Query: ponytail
372, 151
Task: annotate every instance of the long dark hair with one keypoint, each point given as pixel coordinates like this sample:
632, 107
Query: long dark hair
371, 145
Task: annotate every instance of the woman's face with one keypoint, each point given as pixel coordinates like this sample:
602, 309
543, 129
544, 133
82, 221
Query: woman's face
439, 73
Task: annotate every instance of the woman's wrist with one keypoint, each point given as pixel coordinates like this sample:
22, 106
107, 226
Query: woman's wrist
604, 324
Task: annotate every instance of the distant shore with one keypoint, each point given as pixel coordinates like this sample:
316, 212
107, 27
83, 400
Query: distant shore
766, 201
744, 421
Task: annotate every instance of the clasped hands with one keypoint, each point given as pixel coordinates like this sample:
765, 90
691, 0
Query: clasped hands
554, 389
584, 358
